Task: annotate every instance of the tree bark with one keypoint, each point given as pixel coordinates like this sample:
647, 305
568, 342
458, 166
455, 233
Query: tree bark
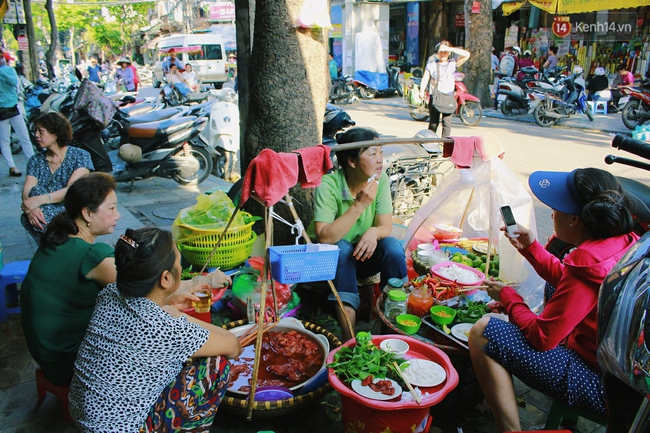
289, 82
478, 37
436, 28
54, 40
31, 39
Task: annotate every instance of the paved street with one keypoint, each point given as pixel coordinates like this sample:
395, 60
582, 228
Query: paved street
157, 201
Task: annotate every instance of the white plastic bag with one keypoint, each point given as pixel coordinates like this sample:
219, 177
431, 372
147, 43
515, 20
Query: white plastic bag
314, 14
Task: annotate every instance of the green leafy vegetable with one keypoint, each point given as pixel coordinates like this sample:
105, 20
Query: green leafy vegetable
471, 312
362, 360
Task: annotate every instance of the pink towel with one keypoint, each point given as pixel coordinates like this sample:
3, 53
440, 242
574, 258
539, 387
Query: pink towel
489, 147
314, 162
463, 151
269, 176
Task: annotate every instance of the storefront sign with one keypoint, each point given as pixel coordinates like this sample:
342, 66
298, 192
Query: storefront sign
565, 7
561, 26
22, 43
222, 12
459, 20
412, 33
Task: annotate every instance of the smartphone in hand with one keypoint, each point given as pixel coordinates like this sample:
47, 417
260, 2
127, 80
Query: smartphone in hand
509, 220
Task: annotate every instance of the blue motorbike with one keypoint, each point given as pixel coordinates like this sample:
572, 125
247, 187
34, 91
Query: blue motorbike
553, 105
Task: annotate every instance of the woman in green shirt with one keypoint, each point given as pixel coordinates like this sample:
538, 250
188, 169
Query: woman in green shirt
66, 274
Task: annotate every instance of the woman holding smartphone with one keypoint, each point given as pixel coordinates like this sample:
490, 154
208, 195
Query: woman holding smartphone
555, 352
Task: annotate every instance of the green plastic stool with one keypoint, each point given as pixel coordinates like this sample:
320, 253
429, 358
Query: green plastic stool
560, 411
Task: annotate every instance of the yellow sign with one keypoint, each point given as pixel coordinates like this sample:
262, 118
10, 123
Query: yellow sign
565, 7
509, 8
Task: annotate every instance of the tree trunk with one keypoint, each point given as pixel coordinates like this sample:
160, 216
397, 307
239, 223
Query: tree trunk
478, 37
54, 40
31, 39
436, 28
289, 80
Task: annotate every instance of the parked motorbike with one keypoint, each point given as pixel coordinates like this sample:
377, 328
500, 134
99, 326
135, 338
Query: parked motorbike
552, 106
336, 120
468, 107
624, 320
637, 110
222, 133
368, 89
342, 90
172, 97
514, 96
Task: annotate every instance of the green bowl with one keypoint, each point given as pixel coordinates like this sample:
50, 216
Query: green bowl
408, 328
436, 310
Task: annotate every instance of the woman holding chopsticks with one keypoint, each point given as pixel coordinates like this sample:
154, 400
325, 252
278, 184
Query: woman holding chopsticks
555, 352
132, 372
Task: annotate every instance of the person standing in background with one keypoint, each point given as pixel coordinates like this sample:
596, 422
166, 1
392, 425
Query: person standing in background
494, 66
10, 116
136, 77
551, 61
333, 67
93, 70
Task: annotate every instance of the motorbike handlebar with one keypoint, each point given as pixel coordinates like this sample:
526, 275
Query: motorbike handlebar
632, 145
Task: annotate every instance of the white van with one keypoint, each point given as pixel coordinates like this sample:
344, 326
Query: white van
204, 51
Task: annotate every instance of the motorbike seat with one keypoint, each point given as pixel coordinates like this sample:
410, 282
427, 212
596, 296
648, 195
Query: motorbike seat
160, 129
138, 109
196, 97
529, 70
154, 116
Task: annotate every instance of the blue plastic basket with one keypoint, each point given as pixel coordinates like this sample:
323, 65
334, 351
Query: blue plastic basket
291, 264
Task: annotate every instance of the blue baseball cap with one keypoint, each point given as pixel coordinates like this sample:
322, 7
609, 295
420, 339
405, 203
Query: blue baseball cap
557, 190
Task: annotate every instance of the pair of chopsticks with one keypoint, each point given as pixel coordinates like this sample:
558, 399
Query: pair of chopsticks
249, 336
408, 384
470, 288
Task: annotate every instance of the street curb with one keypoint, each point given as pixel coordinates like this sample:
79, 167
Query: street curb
497, 115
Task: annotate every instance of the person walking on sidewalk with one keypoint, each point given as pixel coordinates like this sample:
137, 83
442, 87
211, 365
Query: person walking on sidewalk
10, 117
445, 83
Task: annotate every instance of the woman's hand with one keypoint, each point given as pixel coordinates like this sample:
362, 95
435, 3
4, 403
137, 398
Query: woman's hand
182, 298
524, 239
36, 218
367, 193
219, 279
31, 203
494, 289
365, 248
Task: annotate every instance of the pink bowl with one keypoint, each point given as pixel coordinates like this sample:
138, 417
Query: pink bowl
479, 274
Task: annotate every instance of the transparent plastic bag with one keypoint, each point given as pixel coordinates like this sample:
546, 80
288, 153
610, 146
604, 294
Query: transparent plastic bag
470, 199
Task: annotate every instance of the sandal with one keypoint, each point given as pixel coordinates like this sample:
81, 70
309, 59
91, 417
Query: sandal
14, 172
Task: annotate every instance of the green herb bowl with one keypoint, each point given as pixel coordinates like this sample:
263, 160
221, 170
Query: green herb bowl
408, 323
442, 315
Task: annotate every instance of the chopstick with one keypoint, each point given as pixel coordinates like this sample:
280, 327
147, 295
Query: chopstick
408, 384
252, 336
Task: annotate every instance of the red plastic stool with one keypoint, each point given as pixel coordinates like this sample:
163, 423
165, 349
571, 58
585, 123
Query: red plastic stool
60, 392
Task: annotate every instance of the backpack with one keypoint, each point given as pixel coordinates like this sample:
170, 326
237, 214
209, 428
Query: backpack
507, 65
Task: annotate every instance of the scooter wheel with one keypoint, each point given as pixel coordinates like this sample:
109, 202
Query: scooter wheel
470, 113
541, 118
366, 93
219, 167
420, 117
630, 114
505, 108
205, 167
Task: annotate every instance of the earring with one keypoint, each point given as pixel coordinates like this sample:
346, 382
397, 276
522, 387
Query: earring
87, 223
571, 225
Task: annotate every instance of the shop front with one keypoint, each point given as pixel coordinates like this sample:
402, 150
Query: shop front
585, 37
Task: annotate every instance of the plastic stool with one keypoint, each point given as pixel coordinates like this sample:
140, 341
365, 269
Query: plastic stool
61, 392
560, 411
598, 107
10, 275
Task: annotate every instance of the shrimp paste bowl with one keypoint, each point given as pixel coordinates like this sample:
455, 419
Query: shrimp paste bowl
305, 393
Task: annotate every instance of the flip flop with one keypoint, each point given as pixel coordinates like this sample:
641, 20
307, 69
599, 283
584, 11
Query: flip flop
15, 172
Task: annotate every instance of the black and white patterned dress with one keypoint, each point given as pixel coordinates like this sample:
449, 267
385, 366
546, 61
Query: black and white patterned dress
132, 350
49, 182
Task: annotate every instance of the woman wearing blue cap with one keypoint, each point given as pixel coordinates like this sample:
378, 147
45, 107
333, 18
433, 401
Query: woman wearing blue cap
555, 352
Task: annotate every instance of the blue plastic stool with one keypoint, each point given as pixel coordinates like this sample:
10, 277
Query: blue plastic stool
11, 274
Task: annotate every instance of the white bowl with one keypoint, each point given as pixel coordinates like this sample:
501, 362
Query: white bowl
425, 247
395, 346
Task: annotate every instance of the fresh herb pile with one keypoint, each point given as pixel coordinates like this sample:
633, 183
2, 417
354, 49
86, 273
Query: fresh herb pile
362, 360
471, 312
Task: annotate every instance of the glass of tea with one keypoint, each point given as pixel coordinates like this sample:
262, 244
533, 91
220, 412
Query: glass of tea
204, 293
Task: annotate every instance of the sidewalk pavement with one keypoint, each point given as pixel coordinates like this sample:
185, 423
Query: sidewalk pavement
610, 123
156, 201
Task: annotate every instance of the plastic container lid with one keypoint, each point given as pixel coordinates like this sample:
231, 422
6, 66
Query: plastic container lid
396, 283
397, 295
272, 393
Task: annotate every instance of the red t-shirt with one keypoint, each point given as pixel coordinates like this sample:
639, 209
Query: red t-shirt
627, 79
